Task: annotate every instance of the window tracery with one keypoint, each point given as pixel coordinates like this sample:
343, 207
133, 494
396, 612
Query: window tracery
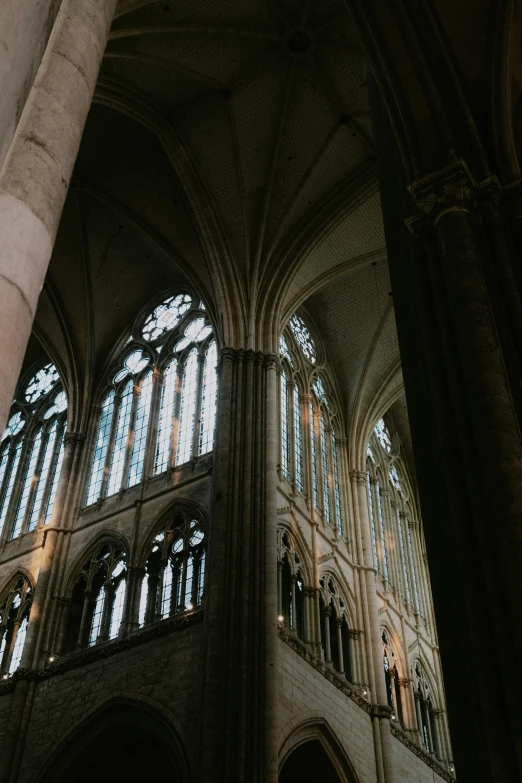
425, 710
95, 610
291, 586
309, 416
31, 452
174, 577
303, 337
161, 402
391, 676
15, 607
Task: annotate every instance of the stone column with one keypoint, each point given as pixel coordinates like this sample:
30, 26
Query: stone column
339, 624
240, 729
326, 625
37, 170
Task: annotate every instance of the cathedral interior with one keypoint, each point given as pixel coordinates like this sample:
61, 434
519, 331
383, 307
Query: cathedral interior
261, 361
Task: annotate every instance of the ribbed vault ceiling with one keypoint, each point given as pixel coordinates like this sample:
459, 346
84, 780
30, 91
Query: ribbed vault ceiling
229, 145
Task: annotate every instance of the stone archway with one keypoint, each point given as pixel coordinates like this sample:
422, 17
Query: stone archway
309, 762
120, 742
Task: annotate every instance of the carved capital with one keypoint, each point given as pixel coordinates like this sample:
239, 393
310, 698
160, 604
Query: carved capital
359, 477
72, 438
381, 711
449, 189
272, 361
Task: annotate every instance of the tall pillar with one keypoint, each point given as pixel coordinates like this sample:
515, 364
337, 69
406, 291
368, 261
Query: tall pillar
240, 737
37, 170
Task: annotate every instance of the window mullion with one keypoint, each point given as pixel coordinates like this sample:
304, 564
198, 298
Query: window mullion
110, 446
23, 467
330, 477
291, 434
152, 434
34, 481
52, 467
197, 412
10, 462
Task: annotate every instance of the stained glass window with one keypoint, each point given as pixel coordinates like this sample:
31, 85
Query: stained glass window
27, 485
168, 396
208, 401
14, 425
10, 483
121, 440
337, 487
324, 462
303, 337
165, 317
372, 522
283, 350
42, 478
298, 441
117, 610
382, 533
313, 446
382, 433
394, 478
54, 485
97, 617
100, 451
404, 558
140, 431
319, 390
413, 567
18, 646
187, 409
285, 437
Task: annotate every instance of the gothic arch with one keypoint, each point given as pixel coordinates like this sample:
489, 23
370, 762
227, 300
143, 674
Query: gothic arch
299, 545
317, 730
104, 537
159, 522
119, 718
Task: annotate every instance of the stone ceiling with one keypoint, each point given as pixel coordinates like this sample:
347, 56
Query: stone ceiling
229, 146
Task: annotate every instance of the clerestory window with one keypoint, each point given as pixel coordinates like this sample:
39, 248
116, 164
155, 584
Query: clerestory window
307, 416
159, 410
31, 453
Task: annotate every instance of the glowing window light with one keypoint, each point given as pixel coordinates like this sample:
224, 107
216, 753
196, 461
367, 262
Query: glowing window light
195, 332
298, 441
100, 451
18, 646
189, 578
14, 425
166, 598
120, 443
319, 390
394, 478
208, 401
372, 522
168, 397
166, 316
337, 487
404, 558
382, 533
382, 433
187, 409
303, 337
97, 617
285, 440
4, 458
201, 578
27, 485
10, 483
42, 478
140, 431
117, 610
41, 383
315, 483
324, 462
54, 484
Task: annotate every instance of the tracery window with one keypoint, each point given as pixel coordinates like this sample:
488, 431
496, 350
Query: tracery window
290, 586
425, 710
95, 608
391, 676
335, 634
31, 453
307, 413
15, 607
391, 516
174, 577
159, 410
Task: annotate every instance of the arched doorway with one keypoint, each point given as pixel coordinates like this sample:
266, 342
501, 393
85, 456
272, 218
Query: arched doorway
309, 762
120, 742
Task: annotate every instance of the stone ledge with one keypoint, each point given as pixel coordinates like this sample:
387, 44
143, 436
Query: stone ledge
104, 650
421, 753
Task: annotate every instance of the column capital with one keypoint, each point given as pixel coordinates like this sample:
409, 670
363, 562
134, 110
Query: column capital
449, 189
359, 477
72, 438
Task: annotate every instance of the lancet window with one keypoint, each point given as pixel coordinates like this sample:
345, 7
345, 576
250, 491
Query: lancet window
291, 586
391, 517
95, 607
15, 607
159, 409
174, 578
31, 453
335, 633
309, 425
392, 678
425, 710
